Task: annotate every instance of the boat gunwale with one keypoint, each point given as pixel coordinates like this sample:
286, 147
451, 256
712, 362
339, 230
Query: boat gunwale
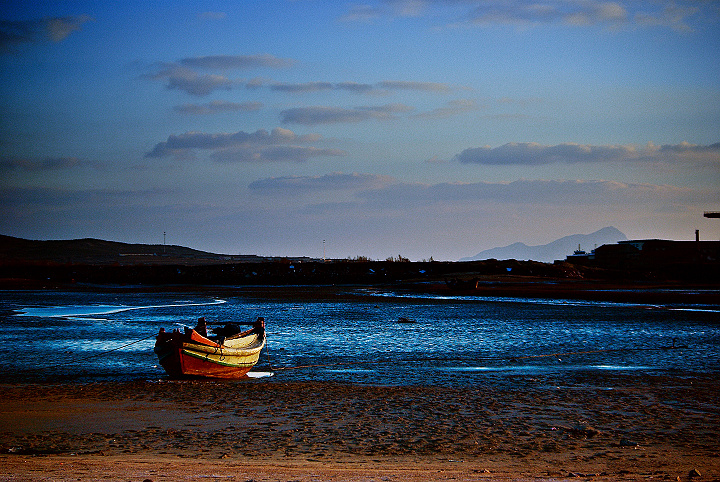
224, 350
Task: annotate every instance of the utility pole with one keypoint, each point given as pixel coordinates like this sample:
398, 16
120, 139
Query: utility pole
323, 250
163, 242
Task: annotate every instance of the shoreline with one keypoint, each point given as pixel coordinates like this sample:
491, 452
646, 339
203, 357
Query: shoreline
604, 427
494, 287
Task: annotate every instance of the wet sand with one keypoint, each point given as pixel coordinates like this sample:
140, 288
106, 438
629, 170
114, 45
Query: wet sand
599, 426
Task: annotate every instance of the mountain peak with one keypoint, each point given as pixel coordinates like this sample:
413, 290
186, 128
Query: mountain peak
557, 249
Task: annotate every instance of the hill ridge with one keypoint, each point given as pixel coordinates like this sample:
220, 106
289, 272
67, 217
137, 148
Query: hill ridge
93, 250
554, 250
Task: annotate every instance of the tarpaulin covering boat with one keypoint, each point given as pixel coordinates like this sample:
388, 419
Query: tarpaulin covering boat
189, 353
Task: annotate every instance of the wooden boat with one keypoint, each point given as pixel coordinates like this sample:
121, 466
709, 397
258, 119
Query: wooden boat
189, 354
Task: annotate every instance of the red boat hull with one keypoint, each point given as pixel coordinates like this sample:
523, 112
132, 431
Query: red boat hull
192, 355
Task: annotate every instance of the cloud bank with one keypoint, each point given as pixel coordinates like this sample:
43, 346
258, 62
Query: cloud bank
358, 213
531, 153
260, 146
55, 29
537, 192
677, 16
183, 75
376, 193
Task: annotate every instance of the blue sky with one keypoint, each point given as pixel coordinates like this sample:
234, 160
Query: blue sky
421, 128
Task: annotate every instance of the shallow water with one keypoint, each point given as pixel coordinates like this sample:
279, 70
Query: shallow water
451, 341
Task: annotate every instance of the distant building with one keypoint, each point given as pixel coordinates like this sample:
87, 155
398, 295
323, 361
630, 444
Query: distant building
649, 253
579, 256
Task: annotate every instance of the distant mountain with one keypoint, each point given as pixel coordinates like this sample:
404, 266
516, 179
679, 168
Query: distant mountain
558, 249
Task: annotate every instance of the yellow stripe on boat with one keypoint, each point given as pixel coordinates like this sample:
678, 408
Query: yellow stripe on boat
219, 359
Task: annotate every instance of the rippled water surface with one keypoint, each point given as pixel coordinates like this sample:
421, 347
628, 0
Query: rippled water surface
449, 341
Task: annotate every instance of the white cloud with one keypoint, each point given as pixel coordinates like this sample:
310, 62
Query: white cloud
531, 153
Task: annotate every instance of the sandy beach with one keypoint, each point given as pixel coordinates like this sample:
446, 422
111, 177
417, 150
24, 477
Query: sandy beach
607, 427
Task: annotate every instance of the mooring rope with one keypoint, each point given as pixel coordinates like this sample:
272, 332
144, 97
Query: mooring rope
267, 353
94, 355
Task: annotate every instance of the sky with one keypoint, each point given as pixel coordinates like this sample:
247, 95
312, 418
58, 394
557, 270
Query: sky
427, 129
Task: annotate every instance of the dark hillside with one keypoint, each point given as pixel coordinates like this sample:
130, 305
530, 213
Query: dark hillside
99, 252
